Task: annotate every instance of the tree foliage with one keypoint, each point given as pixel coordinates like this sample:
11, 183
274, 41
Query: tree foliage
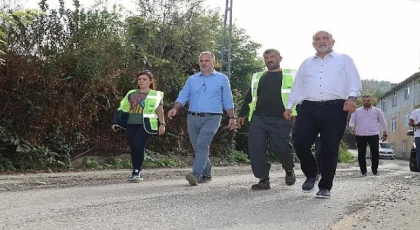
66, 70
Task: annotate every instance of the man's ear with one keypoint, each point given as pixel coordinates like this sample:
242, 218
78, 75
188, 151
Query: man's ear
280, 58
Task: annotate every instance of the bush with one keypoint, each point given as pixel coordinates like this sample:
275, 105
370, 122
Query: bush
238, 157
344, 156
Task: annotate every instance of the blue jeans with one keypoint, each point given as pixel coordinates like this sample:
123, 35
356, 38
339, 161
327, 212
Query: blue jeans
417, 140
201, 131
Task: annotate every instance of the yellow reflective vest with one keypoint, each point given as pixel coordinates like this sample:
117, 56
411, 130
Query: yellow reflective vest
150, 118
286, 86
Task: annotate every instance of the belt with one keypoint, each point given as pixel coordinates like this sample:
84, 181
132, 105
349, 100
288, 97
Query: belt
321, 103
203, 114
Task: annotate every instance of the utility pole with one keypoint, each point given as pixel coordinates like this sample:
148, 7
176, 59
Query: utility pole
228, 62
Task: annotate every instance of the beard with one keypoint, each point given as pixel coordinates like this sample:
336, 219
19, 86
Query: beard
272, 65
323, 49
366, 105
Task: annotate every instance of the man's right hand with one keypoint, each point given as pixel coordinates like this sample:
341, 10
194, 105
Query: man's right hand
240, 121
172, 113
287, 114
352, 131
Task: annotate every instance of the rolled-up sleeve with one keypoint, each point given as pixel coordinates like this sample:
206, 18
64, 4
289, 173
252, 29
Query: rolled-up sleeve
227, 94
297, 88
353, 78
185, 94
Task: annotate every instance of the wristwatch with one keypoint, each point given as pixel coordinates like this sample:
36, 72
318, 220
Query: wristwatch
163, 123
353, 98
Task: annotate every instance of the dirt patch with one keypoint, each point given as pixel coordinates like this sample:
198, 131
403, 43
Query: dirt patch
397, 203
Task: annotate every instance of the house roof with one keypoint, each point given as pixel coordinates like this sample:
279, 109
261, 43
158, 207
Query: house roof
401, 84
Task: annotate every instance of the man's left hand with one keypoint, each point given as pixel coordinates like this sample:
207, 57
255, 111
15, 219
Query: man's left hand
384, 138
232, 124
350, 105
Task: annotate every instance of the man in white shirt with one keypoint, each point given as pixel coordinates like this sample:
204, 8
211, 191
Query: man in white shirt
415, 121
328, 85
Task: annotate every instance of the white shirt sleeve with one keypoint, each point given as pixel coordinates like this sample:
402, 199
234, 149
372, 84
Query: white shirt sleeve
297, 88
353, 78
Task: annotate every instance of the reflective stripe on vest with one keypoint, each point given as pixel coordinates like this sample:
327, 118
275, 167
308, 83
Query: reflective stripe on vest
151, 103
286, 86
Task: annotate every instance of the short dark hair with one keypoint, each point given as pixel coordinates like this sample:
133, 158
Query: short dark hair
268, 51
366, 95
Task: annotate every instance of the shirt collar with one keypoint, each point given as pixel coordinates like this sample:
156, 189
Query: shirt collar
212, 73
332, 54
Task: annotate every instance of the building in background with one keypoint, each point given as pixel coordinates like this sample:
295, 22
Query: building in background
397, 105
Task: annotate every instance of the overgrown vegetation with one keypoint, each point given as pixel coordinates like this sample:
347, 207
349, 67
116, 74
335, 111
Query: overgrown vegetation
66, 69
344, 156
125, 163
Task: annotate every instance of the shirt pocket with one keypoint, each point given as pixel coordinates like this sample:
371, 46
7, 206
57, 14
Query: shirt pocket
340, 70
213, 87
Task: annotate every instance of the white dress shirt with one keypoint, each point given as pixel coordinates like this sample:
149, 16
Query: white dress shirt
322, 79
415, 115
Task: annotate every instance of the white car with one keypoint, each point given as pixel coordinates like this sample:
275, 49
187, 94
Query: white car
385, 151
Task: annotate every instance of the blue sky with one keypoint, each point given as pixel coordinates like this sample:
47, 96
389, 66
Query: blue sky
382, 36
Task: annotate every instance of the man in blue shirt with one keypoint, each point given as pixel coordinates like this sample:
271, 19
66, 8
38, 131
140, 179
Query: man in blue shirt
207, 92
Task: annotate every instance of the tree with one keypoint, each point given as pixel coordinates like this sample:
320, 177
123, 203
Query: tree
66, 70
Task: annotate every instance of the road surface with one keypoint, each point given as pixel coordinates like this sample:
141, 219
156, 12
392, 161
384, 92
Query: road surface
388, 201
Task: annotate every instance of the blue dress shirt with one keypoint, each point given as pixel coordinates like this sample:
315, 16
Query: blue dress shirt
207, 94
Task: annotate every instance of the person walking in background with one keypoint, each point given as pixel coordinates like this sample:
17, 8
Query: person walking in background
327, 85
207, 92
265, 104
367, 123
415, 122
141, 113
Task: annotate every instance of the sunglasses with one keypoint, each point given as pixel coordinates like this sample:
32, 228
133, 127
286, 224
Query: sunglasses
143, 72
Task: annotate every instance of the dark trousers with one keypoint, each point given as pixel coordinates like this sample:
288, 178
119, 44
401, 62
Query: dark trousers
329, 120
274, 132
318, 153
137, 139
362, 142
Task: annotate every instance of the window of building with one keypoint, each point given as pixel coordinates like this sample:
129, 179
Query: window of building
394, 99
383, 104
394, 124
406, 92
406, 119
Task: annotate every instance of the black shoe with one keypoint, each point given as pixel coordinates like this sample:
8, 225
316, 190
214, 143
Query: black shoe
323, 194
375, 173
205, 179
264, 184
364, 173
290, 177
309, 184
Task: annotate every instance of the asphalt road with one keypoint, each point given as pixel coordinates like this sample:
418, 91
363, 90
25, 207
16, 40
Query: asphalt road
388, 201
